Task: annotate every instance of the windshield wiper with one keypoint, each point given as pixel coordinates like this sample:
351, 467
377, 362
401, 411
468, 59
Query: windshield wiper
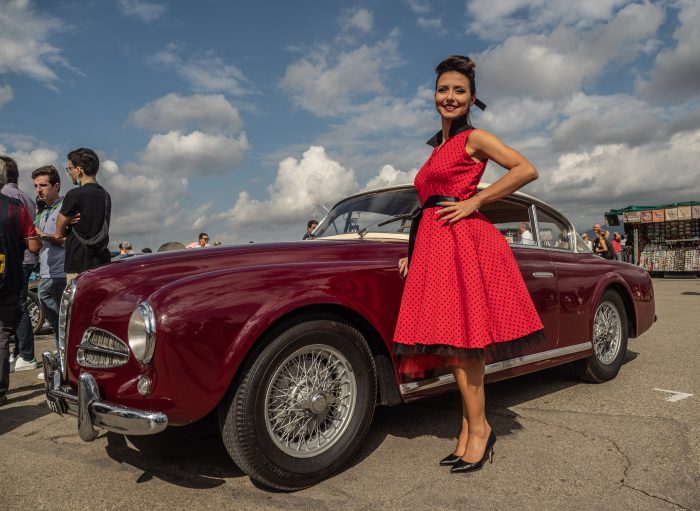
393, 219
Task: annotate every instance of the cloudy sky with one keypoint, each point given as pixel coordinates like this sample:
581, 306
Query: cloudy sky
238, 118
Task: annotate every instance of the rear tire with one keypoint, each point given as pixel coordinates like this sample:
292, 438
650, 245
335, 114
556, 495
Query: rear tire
304, 404
610, 331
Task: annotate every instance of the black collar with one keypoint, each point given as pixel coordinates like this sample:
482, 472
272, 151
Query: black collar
458, 126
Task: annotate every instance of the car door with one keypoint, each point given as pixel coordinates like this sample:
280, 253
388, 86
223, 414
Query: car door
575, 281
514, 218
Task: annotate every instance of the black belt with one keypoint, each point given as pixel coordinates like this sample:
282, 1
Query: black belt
430, 202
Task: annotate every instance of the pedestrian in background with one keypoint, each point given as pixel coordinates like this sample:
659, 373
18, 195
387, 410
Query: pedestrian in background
310, 226
47, 183
586, 239
202, 241
616, 243
85, 215
23, 357
17, 234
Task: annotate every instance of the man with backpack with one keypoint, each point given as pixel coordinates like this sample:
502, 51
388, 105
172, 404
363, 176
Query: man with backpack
17, 233
85, 215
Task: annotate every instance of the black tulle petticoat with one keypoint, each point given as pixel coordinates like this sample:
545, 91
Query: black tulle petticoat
418, 361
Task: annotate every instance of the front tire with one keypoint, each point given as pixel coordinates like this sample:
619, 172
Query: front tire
610, 331
304, 404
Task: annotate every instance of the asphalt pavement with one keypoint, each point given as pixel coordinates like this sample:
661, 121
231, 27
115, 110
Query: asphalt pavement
631, 443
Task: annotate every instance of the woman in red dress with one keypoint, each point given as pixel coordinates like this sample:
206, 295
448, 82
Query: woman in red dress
464, 291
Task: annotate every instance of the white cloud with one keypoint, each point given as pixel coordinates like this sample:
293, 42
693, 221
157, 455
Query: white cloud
145, 11
360, 20
676, 74
431, 24
176, 112
498, 19
631, 174
204, 72
6, 94
24, 46
389, 176
328, 85
606, 120
562, 61
298, 187
419, 6
195, 153
29, 158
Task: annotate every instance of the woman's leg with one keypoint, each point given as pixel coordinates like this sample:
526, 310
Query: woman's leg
464, 432
469, 374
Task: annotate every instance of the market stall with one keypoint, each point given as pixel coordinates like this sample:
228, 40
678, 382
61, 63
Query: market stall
663, 239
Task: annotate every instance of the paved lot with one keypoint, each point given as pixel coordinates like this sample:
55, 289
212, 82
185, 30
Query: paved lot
562, 444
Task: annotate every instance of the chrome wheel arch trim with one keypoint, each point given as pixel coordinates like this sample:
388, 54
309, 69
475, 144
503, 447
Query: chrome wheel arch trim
408, 389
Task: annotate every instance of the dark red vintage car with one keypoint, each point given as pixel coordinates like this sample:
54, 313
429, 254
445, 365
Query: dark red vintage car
290, 343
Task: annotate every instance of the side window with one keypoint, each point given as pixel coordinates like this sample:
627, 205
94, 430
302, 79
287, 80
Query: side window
512, 219
553, 232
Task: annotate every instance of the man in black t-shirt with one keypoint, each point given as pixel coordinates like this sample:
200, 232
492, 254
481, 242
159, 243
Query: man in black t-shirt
85, 215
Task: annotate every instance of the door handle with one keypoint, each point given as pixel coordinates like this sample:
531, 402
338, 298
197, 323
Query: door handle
543, 274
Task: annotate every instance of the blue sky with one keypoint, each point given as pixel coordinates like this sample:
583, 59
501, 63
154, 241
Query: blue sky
237, 118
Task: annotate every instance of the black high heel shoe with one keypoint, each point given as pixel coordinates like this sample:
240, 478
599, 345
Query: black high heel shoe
449, 460
462, 466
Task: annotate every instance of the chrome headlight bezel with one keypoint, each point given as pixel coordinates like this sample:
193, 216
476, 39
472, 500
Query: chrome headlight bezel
64, 324
142, 332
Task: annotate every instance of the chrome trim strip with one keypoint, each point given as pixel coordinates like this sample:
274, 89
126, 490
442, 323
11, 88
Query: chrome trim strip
543, 274
407, 389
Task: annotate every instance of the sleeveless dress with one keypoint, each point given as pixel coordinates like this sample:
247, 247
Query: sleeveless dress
464, 289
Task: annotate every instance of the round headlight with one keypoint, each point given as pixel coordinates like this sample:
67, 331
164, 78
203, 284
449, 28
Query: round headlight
142, 332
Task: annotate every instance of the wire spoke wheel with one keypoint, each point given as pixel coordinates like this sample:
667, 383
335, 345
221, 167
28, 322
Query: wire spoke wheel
607, 332
310, 401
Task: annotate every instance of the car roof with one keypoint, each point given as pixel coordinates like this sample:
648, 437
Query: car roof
481, 186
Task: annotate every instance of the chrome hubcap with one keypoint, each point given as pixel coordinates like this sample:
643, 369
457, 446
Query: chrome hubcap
607, 332
310, 401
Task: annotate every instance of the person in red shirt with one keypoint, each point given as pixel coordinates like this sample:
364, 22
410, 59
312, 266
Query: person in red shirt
617, 246
17, 233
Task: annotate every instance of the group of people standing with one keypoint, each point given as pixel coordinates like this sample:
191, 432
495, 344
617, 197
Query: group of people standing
604, 245
69, 233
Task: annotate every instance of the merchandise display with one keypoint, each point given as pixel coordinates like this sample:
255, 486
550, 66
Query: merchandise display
663, 239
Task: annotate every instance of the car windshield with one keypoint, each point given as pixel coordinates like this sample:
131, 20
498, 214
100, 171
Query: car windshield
385, 211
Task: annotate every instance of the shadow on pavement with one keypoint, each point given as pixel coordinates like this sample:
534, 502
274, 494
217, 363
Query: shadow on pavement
191, 456
194, 456
13, 417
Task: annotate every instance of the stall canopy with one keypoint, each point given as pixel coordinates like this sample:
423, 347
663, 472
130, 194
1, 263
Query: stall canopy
629, 209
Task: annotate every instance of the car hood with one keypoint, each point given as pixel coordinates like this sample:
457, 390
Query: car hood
135, 279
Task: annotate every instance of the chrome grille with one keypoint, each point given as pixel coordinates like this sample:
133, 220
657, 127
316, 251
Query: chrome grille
101, 349
64, 323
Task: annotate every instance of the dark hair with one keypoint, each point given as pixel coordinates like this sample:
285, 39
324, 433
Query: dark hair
310, 223
146, 250
10, 169
48, 170
461, 64
202, 235
86, 159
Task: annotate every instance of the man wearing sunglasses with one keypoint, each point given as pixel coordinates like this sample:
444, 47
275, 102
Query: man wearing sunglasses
85, 215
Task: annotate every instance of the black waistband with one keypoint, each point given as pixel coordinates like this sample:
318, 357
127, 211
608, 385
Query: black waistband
434, 200
431, 202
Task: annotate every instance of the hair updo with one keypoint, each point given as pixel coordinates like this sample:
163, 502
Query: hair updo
461, 64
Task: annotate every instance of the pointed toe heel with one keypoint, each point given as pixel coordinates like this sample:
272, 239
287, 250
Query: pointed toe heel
449, 460
462, 467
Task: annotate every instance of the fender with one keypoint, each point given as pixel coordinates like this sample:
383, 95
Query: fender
207, 340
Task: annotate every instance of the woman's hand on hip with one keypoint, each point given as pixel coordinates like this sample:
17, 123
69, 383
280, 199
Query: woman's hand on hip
453, 211
403, 266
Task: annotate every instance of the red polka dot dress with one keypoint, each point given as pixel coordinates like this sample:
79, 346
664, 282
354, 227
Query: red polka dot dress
464, 288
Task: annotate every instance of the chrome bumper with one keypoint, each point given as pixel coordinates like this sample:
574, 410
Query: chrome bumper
91, 411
